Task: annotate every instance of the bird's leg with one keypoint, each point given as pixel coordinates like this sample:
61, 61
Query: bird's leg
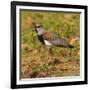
50, 55
50, 52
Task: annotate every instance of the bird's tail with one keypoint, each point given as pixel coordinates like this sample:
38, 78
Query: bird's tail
70, 46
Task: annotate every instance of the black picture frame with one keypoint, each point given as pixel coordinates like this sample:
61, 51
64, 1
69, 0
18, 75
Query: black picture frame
14, 84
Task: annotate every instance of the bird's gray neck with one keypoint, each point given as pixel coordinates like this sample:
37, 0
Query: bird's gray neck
41, 31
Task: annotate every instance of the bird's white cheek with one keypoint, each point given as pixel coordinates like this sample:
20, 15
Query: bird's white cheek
47, 43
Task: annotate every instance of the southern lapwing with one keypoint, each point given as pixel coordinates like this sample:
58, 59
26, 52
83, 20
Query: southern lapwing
50, 39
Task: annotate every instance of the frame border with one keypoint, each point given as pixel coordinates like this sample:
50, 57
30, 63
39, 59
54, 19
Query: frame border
13, 44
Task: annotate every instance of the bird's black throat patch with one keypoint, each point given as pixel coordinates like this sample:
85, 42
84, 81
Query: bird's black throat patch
40, 37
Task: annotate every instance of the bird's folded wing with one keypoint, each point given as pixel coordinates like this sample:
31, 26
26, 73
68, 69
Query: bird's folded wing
60, 42
55, 40
49, 36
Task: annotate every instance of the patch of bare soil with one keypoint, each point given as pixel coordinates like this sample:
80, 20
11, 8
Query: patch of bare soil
58, 69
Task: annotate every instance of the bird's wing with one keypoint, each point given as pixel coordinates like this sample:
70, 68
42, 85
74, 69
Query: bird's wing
60, 42
49, 36
55, 39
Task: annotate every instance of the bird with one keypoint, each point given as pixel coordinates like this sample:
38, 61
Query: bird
50, 38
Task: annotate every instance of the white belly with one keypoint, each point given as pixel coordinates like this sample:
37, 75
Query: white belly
47, 43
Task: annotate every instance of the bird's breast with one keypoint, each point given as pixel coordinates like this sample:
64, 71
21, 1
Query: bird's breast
42, 40
40, 37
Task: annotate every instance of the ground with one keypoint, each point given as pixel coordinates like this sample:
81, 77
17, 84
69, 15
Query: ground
35, 59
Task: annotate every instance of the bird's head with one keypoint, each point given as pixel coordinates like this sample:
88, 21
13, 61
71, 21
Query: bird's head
38, 28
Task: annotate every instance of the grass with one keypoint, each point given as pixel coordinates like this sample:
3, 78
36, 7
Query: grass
35, 61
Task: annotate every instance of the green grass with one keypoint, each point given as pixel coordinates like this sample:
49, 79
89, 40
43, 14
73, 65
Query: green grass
35, 61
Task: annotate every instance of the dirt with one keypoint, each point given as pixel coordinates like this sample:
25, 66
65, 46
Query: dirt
58, 69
